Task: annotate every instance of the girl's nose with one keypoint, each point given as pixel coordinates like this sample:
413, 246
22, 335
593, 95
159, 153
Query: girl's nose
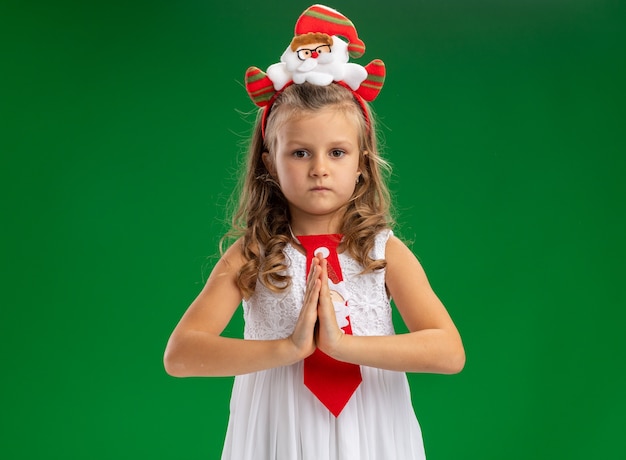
319, 167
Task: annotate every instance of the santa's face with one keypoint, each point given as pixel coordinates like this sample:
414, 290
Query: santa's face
308, 57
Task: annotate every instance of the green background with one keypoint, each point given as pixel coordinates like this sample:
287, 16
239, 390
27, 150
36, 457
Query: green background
122, 126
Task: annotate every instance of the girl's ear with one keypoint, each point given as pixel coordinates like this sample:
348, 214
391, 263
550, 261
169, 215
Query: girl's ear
269, 164
362, 164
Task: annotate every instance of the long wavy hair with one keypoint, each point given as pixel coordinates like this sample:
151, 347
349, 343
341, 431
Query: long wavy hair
261, 217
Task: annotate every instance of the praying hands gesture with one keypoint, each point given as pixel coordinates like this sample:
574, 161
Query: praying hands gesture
317, 325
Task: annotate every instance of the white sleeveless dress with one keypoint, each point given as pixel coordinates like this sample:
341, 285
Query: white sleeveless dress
273, 416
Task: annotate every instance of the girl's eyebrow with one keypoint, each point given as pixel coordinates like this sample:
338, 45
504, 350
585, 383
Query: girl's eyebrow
345, 143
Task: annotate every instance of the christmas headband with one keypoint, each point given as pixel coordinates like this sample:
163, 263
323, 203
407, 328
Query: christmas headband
319, 56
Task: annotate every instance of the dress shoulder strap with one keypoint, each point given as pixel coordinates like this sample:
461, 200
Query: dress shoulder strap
380, 242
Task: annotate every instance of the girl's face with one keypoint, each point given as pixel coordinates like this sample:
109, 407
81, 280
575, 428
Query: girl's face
316, 162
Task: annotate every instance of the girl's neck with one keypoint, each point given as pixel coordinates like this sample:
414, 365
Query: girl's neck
310, 224
315, 227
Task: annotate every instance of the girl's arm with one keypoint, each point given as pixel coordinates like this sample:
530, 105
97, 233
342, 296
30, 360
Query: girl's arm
432, 344
196, 347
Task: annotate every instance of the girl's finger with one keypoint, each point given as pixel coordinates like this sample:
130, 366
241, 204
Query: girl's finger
324, 274
313, 276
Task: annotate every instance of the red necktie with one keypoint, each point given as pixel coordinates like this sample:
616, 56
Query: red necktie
332, 382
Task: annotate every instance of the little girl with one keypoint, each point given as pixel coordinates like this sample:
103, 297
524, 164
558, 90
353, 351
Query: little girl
320, 373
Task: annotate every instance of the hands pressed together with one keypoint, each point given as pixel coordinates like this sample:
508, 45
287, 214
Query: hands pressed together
317, 324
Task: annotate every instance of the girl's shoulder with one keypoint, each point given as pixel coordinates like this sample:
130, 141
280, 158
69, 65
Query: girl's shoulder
398, 254
234, 257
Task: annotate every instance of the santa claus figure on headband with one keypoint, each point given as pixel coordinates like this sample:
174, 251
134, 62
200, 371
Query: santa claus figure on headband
324, 41
317, 58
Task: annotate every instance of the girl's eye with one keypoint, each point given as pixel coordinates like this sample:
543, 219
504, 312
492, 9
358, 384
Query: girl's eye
300, 154
337, 153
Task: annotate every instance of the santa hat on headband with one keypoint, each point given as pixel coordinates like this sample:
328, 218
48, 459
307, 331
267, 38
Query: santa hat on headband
322, 19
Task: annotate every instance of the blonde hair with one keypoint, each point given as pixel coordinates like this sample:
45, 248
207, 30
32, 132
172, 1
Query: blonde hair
261, 218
